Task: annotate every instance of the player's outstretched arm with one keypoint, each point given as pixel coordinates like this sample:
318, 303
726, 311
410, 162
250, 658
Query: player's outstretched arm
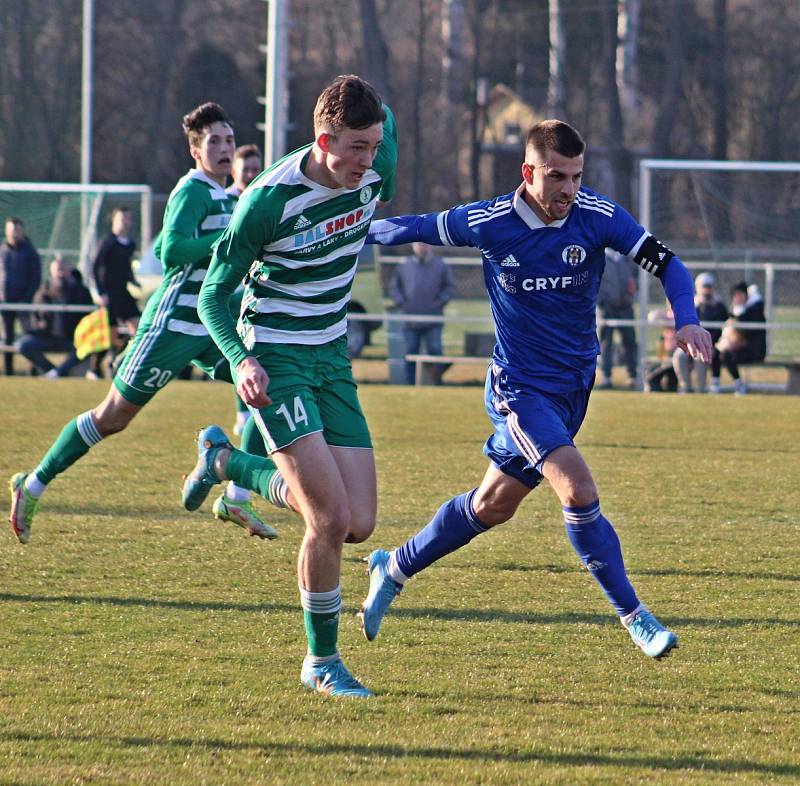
679, 289
406, 229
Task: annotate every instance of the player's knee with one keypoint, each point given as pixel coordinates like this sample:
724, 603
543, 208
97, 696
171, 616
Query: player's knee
331, 524
111, 421
361, 527
579, 493
494, 509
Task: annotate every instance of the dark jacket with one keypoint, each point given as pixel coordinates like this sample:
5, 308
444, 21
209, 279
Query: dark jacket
20, 272
756, 340
62, 324
711, 311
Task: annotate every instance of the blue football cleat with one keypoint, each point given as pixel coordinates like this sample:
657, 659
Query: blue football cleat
202, 478
383, 589
651, 636
333, 679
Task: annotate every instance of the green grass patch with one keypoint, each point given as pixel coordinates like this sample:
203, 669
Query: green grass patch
141, 644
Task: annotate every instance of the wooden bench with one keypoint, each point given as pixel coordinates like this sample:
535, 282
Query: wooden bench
428, 369
792, 366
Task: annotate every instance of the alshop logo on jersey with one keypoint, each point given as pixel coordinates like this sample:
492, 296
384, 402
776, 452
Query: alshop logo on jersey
353, 219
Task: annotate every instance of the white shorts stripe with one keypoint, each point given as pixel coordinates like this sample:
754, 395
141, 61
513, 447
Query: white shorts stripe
263, 430
157, 328
527, 448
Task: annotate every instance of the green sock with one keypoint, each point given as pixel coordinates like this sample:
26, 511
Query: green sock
255, 473
74, 441
321, 618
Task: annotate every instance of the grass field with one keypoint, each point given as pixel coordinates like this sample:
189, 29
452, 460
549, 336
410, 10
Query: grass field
140, 644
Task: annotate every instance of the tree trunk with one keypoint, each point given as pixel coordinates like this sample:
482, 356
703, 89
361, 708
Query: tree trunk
618, 158
375, 50
672, 89
720, 82
628, 28
556, 86
419, 80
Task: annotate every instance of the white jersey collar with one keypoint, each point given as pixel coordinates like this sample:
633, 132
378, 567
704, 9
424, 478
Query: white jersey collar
528, 216
217, 191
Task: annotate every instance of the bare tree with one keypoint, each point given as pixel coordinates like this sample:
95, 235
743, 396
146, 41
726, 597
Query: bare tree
719, 147
670, 88
628, 28
419, 74
375, 50
618, 157
556, 86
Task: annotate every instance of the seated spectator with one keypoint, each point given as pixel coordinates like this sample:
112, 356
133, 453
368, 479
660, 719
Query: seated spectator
743, 346
52, 331
661, 376
710, 309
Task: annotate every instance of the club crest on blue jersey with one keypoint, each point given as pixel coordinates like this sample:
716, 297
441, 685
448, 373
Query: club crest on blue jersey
573, 255
506, 281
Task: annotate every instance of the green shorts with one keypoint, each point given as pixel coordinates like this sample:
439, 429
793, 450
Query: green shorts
312, 389
156, 355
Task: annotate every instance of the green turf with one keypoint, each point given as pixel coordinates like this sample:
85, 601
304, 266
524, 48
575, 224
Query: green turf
140, 644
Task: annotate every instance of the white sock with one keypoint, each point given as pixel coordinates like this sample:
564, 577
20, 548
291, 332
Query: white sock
237, 493
395, 572
627, 619
34, 486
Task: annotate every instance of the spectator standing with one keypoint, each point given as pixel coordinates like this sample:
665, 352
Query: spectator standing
112, 272
20, 277
52, 331
743, 346
709, 309
615, 300
422, 284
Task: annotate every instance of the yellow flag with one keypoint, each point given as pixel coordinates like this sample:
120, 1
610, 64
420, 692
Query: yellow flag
92, 334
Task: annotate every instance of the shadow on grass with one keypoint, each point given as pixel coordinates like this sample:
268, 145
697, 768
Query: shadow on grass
446, 755
699, 574
743, 449
442, 614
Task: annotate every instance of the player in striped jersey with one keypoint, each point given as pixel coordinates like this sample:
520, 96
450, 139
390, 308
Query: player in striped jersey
543, 255
298, 229
170, 334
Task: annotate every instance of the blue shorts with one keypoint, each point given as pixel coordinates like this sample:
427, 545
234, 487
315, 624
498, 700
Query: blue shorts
529, 424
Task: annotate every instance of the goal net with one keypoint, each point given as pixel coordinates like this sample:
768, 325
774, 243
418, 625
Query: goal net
70, 218
737, 219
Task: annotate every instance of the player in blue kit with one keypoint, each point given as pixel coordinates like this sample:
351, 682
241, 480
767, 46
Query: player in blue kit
543, 248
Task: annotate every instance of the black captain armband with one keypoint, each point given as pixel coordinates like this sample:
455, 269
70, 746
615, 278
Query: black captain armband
653, 256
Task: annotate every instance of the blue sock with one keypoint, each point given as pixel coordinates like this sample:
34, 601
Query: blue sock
454, 525
596, 543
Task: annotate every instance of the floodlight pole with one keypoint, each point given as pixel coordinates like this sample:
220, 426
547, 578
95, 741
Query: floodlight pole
276, 94
86, 121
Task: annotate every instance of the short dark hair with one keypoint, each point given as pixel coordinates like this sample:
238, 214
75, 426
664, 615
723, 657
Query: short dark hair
246, 151
740, 286
200, 118
120, 209
16, 221
555, 135
348, 102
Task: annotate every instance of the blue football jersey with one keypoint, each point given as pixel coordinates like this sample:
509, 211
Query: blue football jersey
542, 279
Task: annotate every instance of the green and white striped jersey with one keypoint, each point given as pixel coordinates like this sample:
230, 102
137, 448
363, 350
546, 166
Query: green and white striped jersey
197, 211
300, 242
